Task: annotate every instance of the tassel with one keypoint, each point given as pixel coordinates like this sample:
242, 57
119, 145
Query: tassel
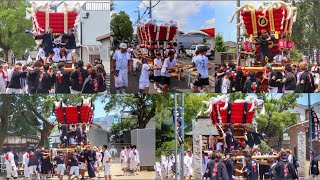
276, 36
263, 110
251, 38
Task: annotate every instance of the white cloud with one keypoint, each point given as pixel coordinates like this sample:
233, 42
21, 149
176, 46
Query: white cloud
210, 22
179, 11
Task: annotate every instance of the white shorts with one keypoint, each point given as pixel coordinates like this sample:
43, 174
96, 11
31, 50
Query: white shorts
82, 166
122, 79
143, 85
11, 172
26, 172
74, 170
60, 169
107, 169
33, 170
13, 91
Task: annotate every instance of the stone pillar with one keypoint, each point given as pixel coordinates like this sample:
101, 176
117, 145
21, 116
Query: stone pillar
197, 152
302, 154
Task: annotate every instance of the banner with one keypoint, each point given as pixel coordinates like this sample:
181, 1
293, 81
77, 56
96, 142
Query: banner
315, 125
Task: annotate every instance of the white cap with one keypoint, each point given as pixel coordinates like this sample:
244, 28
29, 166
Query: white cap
123, 46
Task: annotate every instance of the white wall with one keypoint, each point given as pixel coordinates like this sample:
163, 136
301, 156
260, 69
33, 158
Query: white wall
301, 111
96, 25
105, 54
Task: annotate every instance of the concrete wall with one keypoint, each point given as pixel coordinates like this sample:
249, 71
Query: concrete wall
144, 139
301, 112
105, 54
98, 137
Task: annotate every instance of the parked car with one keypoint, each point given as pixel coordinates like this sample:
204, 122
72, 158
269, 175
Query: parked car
192, 51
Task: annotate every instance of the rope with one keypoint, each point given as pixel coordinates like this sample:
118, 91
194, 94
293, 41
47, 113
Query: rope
65, 18
47, 20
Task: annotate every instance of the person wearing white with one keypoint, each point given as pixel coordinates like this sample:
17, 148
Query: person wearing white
9, 71
106, 162
189, 164
168, 64
201, 62
144, 77
25, 162
113, 151
56, 55
41, 54
121, 61
137, 160
132, 160
3, 80
124, 160
157, 62
219, 146
11, 167
74, 166
315, 70
157, 169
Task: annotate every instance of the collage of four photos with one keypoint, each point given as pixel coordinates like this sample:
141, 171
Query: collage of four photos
155, 89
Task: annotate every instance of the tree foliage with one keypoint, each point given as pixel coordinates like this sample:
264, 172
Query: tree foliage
142, 106
121, 26
219, 44
12, 27
277, 117
307, 26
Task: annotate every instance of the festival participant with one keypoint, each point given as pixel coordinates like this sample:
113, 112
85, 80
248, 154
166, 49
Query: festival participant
74, 165
97, 162
251, 170
81, 159
169, 64
252, 84
315, 70
106, 162
144, 81
32, 165
32, 77
201, 63
132, 160
123, 160
264, 39
289, 80
189, 164
45, 164
61, 167
205, 160
44, 81
230, 138
224, 84
25, 161
47, 40
231, 168
42, 54
3, 80
102, 76
14, 86
113, 151
91, 83
314, 167
90, 157
71, 46
61, 80
11, 167
78, 76
8, 69
134, 62
121, 61
157, 72
274, 79
219, 170
56, 58
284, 169
306, 81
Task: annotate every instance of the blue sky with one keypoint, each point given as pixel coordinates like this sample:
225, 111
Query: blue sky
190, 15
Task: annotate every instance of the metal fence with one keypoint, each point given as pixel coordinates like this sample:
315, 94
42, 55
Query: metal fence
96, 6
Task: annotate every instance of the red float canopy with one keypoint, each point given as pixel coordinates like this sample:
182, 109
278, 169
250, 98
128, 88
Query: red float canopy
235, 113
74, 114
210, 31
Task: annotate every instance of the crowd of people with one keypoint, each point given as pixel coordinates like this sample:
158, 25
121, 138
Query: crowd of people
43, 163
294, 79
39, 78
218, 165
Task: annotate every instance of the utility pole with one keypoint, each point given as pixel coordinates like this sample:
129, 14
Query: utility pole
182, 136
175, 135
150, 9
238, 32
138, 11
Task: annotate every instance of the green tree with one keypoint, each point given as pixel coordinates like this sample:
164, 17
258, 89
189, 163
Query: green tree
121, 26
142, 106
277, 116
307, 26
219, 44
12, 26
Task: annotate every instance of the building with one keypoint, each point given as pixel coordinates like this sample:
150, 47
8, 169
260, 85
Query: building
19, 142
302, 126
95, 23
